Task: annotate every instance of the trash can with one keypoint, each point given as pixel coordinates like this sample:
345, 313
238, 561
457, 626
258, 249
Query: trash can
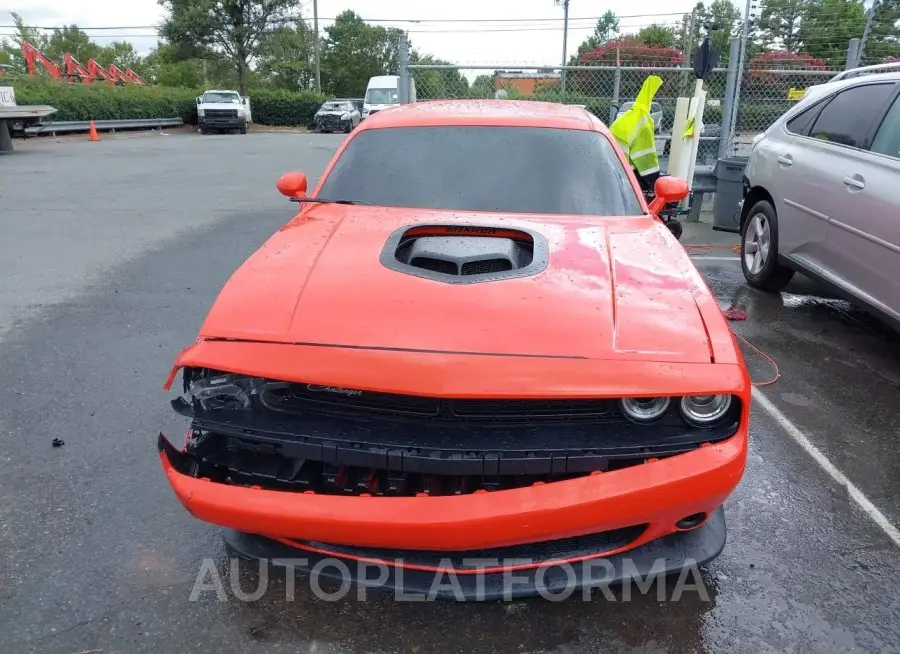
729, 192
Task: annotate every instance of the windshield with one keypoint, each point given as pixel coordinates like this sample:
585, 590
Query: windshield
382, 96
334, 106
221, 97
484, 168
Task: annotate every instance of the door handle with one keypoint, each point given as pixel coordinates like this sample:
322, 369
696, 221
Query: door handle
785, 160
855, 182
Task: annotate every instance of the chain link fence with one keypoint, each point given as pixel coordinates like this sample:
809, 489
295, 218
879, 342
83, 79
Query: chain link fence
602, 90
763, 89
768, 88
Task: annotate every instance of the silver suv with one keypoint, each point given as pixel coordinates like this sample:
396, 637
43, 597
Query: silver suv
822, 193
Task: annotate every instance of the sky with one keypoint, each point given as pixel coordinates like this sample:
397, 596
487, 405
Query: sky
502, 35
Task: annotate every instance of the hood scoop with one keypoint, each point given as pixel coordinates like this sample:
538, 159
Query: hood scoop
460, 254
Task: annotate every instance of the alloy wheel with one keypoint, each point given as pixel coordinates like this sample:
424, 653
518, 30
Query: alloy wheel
757, 241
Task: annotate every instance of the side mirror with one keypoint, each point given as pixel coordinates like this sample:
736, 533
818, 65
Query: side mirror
668, 189
292, 185
198, 100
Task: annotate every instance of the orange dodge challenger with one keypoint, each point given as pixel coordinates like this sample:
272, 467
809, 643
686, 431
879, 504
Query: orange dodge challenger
475, 342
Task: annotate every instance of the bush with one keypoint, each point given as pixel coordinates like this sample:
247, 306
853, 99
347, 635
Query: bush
105, 102
274, 107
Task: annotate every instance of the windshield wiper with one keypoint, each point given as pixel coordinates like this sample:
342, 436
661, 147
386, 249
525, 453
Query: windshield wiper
326, 201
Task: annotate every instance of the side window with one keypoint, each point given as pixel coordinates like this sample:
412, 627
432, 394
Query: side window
801, 123
887, 139
848, 118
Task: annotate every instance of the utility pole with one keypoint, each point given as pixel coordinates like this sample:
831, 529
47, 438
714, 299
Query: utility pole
870, 19
316, 46
565, 4
745, 35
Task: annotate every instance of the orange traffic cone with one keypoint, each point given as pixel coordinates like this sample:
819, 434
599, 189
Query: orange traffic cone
94, 135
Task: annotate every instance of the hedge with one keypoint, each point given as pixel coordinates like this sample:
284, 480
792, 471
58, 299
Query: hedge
276, 107
103, 102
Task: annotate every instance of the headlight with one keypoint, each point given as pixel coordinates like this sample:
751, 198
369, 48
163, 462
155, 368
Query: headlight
345, 116
223, 392
200, 112
645, 409
704, 410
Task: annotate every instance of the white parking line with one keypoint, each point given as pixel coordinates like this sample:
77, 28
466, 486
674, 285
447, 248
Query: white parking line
871, 510
705, 258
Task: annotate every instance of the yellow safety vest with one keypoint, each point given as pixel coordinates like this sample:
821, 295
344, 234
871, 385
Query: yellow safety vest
634, 130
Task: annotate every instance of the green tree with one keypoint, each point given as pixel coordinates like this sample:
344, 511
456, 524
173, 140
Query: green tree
435, 84
11, 47
828, 27
661, 36
884, 42
70, 39
780, 23
286, 57
606, 29
483, 86
233, 28
353, 51
718, 23
167, 65
123, 55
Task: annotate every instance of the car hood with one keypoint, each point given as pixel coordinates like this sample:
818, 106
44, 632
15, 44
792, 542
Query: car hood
614, 288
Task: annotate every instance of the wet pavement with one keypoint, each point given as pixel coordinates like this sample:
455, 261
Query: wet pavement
97, 555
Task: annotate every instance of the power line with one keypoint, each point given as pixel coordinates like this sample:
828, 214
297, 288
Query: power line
418, 21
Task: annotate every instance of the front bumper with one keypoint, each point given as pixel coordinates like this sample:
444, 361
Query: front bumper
331, 124
492, 580
657, 494
222, 123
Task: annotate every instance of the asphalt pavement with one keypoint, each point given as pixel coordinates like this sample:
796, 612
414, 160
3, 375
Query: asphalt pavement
110, 255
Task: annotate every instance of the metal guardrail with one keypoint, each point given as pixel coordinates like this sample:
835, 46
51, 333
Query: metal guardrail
72, 126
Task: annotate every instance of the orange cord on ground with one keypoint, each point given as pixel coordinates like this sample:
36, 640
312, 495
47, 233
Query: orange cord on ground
709, 247
765, 356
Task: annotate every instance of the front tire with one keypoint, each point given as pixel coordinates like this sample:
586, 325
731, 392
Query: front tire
244, 128
759, 249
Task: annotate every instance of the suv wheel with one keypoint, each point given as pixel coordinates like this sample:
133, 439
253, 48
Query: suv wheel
759, 249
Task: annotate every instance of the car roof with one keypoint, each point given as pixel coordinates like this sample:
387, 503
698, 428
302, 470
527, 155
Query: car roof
519, 113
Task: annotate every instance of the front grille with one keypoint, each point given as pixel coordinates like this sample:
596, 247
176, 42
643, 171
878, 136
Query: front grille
248, 462
486, 266
329, 121
221, 113
549, 550
435, 265
332, 401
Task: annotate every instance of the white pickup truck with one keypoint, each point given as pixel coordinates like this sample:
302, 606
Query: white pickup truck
223, 111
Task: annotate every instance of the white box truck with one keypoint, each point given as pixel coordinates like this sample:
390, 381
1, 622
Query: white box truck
383, 92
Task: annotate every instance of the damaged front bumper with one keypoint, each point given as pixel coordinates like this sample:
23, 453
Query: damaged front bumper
405, 481
491, 574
